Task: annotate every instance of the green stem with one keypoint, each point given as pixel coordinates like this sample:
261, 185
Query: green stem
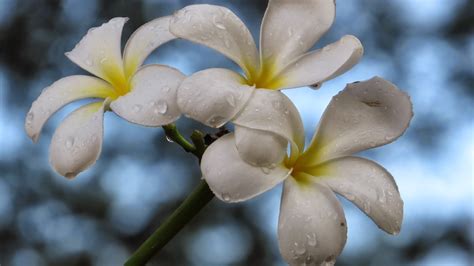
191, 206
198, 140
173, 134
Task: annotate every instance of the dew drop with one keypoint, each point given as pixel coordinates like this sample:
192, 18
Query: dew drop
89, 62
290, 32
29, 118
231, 100
136, 108
277, 105
312, 241
218, 24
265, 170
169, 139
381, 197
329, 261
227, 42
299, 249
70, 175
216, 121
225, 197
161, 107
69, 142
315, 86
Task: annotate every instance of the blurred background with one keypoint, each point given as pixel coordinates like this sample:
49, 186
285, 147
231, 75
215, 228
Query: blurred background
426, 47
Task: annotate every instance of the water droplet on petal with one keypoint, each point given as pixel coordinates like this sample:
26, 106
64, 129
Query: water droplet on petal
69, 142
290, 32
29, 118
231, 100
299, 249
312, 241
277, 105
89, 61
216, 121
315, 86
227, 42
329, 261
70, 175
265, 170
161, 107
381, 197
225, 197
136, 108
217, 23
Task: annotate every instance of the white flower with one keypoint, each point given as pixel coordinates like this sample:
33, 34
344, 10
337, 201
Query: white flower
312, 227
146, 96
289, 29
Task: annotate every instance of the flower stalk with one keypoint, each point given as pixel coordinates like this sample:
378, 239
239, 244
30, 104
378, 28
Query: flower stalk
188, 209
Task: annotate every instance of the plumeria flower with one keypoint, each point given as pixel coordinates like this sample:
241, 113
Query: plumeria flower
312, 226
145, 96
253, 102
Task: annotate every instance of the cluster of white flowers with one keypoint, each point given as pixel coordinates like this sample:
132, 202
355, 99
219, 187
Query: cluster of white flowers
255, 157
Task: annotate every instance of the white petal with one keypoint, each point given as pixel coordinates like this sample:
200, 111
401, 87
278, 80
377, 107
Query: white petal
312, 226
213, 96
323, 64
232, 179
144, 41
260, 148
364, 115
99, 52
369, 186
77, 142
218, 28
152, 100
272, 111
290, 28
60, 93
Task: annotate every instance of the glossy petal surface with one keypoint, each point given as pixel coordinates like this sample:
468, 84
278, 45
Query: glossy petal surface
152, 100
231, 178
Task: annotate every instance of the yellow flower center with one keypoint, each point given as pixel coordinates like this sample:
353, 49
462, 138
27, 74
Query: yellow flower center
115, 75
266, 77
304, 172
